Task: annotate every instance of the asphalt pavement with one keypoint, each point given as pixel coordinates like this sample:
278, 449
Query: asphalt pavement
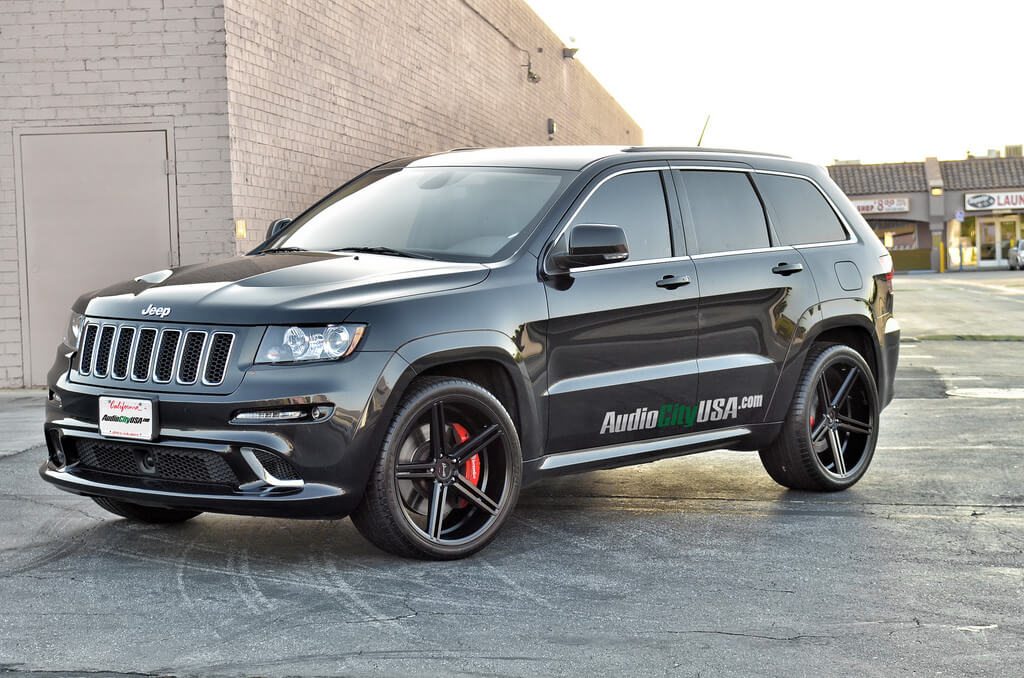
693, 566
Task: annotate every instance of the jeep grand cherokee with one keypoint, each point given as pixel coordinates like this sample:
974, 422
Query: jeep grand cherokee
440, 330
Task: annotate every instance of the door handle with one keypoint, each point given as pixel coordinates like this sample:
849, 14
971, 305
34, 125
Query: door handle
787, 269
670, 282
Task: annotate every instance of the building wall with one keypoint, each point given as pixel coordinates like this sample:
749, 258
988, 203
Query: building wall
321, 90
99, 62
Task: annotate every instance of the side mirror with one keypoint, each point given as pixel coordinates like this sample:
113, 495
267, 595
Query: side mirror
593, 245
277, 226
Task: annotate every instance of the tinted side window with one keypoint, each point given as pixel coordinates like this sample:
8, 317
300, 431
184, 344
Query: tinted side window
635, 202
802, 215
727, 214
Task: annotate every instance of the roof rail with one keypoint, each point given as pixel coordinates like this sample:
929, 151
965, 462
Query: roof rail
698, 149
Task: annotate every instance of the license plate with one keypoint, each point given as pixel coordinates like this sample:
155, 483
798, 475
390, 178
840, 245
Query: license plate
126, 418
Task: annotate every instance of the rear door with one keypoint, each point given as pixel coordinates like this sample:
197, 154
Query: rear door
622, 349
753, 292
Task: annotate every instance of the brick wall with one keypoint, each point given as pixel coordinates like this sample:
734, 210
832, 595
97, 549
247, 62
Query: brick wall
320, 90
93, 62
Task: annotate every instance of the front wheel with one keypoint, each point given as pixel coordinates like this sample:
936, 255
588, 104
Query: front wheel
448, 473
829, 436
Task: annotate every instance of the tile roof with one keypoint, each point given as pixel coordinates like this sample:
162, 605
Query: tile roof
983, 173
897, 177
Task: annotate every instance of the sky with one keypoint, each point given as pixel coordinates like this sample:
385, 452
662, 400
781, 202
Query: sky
822, 81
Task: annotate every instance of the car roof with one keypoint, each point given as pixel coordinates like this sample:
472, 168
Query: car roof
570, 157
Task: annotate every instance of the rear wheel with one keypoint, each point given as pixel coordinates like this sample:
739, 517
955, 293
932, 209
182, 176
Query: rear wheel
448, 473
829, 436
145, 514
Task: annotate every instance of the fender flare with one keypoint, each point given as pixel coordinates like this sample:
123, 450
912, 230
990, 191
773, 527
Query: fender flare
428, 352
820, 318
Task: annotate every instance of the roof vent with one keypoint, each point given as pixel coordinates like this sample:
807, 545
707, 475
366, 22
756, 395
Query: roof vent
1015, 151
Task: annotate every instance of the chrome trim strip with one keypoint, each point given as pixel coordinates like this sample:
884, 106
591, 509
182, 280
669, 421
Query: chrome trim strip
624, 264
152, 354
633, 375
174, 359
732, 361
263, 474
601, 454
756, 250
181, 354
227, 359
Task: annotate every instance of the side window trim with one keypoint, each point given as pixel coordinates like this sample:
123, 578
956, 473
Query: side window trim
592, 188
689, 228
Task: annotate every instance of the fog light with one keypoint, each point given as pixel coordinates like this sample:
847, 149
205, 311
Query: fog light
262, 416
319, 412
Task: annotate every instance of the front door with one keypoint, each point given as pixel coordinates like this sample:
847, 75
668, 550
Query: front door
622, 349
988, 240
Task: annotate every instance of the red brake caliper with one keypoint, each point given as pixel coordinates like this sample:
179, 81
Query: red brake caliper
471, 469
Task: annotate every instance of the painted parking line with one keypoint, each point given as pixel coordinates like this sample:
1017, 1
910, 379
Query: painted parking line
938, 377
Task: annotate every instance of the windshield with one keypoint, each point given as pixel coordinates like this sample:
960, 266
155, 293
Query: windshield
478, 214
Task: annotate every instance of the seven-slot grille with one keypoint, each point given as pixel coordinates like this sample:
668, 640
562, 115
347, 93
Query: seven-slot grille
124, 351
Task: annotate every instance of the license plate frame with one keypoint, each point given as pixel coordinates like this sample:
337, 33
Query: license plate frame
115, 410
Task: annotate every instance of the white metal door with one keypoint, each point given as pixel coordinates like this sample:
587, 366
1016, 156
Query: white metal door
96, 210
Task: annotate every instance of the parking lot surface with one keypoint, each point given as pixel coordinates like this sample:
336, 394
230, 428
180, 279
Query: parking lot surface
692, 566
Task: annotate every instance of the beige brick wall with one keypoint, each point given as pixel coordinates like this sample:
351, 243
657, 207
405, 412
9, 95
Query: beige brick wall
322, 89
95, 62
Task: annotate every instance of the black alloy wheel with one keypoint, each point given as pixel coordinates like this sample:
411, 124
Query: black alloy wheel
829, 437
448, 474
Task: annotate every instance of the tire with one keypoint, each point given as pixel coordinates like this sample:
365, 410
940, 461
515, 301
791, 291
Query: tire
442, 496
803, 457
145, 514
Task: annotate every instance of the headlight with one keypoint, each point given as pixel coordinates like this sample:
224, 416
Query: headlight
301, 344
73, 331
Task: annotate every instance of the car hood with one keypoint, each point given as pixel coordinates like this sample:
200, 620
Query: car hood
295, 287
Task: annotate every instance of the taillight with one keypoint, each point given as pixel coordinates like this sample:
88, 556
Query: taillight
886, 261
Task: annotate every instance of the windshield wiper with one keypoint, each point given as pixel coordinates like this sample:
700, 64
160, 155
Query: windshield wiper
390, 251
274, 250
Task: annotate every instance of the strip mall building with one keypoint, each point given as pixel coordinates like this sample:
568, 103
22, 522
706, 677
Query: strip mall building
942, 215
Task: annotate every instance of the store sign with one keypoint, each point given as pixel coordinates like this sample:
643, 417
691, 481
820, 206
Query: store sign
882, 205
994, 201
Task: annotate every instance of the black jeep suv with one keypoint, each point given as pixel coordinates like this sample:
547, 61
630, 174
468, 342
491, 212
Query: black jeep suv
440, 330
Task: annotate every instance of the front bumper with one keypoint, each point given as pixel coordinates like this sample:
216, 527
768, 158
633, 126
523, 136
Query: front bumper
890, 358
199, 460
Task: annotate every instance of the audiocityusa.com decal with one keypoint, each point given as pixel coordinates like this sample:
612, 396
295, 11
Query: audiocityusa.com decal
680, 415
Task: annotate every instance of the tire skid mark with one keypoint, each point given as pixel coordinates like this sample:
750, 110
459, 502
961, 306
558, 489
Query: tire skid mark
514, 586
560, 535
245, 586
179, 574
482, 607
51, 532
377, 618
